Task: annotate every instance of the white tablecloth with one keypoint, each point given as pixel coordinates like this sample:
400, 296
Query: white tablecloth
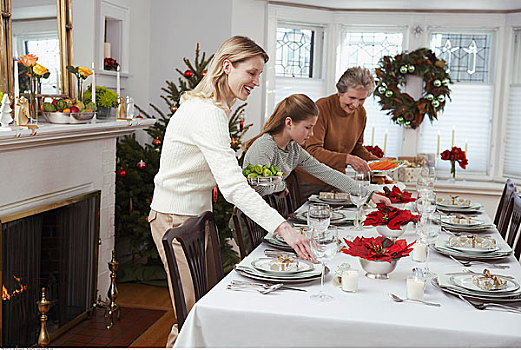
368, 318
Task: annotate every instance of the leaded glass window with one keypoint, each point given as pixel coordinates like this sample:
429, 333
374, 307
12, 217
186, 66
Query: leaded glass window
467, 55
294, 56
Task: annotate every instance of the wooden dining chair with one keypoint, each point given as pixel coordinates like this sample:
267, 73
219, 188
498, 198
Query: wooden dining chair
514, 232
293, 186
504, 209
249, 233
191, 235
281, 202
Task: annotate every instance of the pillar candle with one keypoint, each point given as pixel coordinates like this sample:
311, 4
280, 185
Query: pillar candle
385, 140
118, 87
453, 134
106, 50
350, 281
466, 147
16, 81
438, 145
372, 134
93, 84
415, 288
419, 252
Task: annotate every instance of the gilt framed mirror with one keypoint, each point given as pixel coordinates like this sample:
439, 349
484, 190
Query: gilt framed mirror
42, 28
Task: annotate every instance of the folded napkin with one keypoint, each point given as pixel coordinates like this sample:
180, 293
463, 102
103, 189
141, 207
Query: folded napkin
246, 266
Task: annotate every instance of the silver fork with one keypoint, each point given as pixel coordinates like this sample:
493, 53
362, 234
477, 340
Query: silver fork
263, 290
484, 306
471, 263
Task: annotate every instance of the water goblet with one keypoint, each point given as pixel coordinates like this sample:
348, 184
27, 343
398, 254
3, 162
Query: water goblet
359, 194
319, 216
324, 246
429, 231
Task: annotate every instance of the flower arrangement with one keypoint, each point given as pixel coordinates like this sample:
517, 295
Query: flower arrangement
81, 74
397, 196
455, 155
377, 248
110, 64
392, 217
104, 97
375, 150
35, 72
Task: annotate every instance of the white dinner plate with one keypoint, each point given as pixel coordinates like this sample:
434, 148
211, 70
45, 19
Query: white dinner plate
263, 264
465, 281
337, 217
483, 297
475, 250
473, 222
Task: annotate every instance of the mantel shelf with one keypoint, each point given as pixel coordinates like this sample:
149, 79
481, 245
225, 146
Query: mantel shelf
18, 138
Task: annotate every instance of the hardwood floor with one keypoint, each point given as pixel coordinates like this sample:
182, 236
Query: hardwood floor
136, 295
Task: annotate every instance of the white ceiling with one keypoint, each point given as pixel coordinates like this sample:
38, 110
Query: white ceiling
497, 5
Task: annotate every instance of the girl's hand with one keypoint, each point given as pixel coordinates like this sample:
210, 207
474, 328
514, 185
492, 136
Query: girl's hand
377, 198
298, 242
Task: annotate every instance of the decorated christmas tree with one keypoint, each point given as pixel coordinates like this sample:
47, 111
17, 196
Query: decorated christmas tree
137, 165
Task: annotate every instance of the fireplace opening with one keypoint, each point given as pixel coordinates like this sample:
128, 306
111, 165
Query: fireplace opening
55, 247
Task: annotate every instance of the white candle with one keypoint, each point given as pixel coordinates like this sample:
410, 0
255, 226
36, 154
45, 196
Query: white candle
118, 87
385, 140
453, 134
419, 252
415, 288
372, 134
106, 50
438, 145
350, 281
466, 147
16, 82
93, 84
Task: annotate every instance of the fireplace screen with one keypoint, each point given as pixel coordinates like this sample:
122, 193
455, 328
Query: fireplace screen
55, 249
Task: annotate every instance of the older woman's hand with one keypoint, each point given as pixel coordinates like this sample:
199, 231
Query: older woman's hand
298, 242
357, 163
377, 198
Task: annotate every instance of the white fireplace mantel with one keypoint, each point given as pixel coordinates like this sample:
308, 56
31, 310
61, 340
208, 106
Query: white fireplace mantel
62, 161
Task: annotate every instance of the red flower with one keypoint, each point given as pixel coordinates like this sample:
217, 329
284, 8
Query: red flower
375, 150
397, 196
378, 248
390, 216
455, 154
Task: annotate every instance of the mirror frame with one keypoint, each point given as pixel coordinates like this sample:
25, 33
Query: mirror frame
64, 17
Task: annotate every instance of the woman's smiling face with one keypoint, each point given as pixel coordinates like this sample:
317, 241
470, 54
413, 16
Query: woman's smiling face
244, 76
352, 99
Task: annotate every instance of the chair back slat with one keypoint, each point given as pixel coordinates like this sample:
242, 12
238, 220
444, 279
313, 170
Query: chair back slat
191, 235
504, 209
514, 233
249, 233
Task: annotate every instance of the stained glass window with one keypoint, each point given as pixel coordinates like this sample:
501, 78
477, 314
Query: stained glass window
467, 55
294, 52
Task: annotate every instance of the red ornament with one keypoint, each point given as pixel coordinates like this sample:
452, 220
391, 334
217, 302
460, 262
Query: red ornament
204, 73
173, 109
140, 116
121, 172
188, 74
215, 194
241, 124
131, 206
141, 164
232, 140
156, 142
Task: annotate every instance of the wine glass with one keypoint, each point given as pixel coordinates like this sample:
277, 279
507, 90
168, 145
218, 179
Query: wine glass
429, 231
324, 246
426, 202
426, 179
359, 194
319, 216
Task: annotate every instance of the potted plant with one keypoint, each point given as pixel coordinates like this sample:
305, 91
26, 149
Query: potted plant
378, 255
390, 221
106, 101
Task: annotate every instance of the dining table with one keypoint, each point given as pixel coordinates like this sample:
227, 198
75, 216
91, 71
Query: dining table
366, 318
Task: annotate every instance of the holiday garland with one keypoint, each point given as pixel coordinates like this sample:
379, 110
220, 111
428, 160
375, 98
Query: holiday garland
392, 75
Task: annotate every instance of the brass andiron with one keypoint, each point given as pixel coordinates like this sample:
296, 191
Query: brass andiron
111, 307
43, 306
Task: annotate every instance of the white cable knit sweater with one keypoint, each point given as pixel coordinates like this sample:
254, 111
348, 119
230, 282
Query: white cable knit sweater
196, 155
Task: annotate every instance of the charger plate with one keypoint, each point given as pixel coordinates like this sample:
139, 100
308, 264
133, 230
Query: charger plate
251, 273
467, 283
263, 264
514, 299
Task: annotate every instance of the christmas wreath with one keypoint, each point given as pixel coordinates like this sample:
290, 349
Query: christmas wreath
391, 76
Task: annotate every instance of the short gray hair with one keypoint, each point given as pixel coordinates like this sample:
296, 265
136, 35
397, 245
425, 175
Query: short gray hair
356, 78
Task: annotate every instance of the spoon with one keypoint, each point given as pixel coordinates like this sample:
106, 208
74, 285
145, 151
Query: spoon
399, 300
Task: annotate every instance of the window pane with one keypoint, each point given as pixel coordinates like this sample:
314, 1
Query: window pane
45, 50
294, 57
467, 55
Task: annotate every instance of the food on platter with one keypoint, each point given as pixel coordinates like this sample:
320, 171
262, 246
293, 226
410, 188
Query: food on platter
252, 171
386, 164
382, 180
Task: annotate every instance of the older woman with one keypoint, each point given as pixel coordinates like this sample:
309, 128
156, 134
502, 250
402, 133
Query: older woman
339, 132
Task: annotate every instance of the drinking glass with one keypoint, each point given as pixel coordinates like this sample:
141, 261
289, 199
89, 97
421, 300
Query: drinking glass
429, 231
426, 202
359, 194
426, 179
324, 246
319, 216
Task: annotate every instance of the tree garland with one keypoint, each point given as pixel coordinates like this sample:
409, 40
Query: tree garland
391, 78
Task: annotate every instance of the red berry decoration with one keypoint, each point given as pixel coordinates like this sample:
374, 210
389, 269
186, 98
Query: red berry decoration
188, 73
121, 172
156, 142
173, 109
141, 164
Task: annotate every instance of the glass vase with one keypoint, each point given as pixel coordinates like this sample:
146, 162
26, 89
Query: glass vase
452, 171
80, 90
33, 104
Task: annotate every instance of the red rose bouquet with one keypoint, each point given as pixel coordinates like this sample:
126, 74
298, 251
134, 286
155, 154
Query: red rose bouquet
455, 155
110, 64
390, 216
375, 150
378, 248
397, 196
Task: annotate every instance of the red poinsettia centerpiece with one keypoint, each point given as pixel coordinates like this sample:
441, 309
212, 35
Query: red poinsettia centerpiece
455, 155
375, 150
390, 216
378, 248
397, 196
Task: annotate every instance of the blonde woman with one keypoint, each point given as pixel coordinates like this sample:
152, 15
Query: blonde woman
196, 156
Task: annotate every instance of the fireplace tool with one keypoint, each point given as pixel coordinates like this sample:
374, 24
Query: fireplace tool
43, 306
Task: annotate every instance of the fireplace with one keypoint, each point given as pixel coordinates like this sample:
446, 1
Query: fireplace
56, 247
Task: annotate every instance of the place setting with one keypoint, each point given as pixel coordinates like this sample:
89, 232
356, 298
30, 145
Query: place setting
458, 204
465, 223
472, 247
331, 198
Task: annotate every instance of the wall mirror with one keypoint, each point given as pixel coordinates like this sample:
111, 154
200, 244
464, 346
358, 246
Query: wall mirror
42, 28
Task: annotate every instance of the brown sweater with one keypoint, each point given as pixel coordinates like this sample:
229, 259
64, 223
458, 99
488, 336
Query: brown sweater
336, 135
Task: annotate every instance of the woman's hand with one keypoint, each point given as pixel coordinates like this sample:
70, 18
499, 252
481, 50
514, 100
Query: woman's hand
298, 242
377, 198
357, 163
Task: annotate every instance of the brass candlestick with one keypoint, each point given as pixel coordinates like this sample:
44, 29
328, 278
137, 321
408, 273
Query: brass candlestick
43, 306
